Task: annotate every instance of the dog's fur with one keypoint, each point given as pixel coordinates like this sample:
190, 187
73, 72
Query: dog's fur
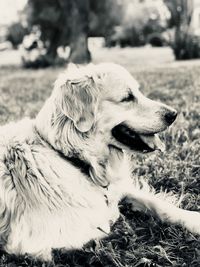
46, 200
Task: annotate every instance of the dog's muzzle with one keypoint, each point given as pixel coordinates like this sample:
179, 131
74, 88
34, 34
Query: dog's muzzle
137, 142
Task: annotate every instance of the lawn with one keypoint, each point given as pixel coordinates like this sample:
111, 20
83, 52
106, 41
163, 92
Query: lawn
137, 239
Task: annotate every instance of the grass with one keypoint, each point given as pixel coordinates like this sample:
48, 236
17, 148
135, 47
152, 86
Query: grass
137, 239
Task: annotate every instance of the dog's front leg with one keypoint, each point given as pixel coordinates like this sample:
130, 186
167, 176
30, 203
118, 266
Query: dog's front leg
123, 184
166, 211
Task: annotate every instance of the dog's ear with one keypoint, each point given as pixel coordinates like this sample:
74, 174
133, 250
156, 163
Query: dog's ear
78, 101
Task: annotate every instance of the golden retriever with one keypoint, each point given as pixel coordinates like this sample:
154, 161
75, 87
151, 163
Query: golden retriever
63, 174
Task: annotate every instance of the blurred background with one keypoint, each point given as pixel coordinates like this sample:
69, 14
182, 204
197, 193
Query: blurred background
38, 33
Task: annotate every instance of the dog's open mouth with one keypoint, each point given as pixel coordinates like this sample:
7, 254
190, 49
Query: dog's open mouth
138, 142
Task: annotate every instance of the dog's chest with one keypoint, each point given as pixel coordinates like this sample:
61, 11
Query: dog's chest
98, 209
77, 212
89, 217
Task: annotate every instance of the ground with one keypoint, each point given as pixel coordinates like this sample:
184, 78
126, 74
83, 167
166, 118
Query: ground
137, 239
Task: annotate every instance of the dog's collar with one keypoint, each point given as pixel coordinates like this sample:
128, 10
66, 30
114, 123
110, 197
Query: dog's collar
83, 166
75, 160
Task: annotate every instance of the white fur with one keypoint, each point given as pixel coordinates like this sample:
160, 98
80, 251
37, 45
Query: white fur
46, 202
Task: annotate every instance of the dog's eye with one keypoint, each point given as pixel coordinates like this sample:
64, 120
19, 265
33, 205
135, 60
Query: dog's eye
128, 98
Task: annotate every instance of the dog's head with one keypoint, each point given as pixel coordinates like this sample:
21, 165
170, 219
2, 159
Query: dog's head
96, 108
105, 105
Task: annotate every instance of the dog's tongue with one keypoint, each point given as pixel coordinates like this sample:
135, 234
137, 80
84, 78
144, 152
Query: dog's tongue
153, 141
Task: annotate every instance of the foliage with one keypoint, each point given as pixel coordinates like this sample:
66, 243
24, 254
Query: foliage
173, 6
186, 43
137, 239
61, 23
16, 33
70, 22
142, 22
50, 16
104, 16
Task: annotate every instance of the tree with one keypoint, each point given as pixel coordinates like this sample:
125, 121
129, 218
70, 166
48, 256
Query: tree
79, 52
16, 33
181, 11
184, 11
62, 22
185, 45
70, 22
141, 22
104, 16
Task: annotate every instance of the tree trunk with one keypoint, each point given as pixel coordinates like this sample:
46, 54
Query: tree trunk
79, 52
53, 45
183, 43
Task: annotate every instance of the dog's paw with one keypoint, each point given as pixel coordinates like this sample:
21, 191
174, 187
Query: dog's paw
192, 221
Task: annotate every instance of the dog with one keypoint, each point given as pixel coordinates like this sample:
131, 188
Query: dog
63, 173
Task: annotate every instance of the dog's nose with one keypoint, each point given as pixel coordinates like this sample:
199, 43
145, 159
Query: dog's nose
170, 116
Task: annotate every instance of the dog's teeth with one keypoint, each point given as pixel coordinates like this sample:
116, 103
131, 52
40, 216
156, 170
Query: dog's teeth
159, 145
153, 142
